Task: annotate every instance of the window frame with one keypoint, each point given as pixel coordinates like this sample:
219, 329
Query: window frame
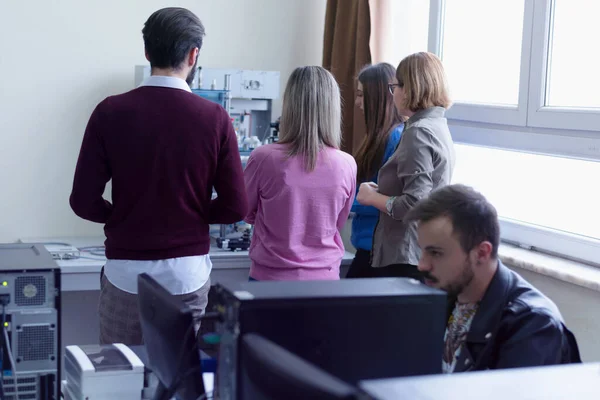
530, 127
531, 112
495, 114
562, 244
539, 114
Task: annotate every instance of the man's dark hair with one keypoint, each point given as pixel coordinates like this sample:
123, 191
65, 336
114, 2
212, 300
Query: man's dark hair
170, 34
473, 218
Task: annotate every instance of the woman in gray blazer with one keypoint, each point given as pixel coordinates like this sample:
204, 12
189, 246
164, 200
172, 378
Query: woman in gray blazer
422, 162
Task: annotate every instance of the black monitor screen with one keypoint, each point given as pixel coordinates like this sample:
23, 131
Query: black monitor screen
269, 372
169, 338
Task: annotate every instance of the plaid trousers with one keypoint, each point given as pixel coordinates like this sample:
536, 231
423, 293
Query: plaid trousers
120, 318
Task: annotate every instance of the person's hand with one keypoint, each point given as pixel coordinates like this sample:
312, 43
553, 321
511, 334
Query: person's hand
366, 192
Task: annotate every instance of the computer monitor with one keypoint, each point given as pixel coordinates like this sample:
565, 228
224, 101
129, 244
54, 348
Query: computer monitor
170, 340
269, 372
354, 329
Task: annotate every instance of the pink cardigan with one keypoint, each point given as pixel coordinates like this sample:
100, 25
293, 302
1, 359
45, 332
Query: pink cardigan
298, 215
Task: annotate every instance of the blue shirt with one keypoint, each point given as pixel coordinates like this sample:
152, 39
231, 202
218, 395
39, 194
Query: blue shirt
365, 217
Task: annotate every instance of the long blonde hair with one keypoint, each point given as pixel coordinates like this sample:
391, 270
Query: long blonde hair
311, 114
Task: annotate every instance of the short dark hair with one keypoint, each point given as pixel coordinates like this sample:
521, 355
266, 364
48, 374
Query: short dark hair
474, 219
170, 34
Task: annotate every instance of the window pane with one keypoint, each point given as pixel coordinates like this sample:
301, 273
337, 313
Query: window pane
481, 50
551, 192
573, 79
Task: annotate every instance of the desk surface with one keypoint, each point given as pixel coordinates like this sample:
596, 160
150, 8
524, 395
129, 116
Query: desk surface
88, 263
580, 381
208, 378
83, 273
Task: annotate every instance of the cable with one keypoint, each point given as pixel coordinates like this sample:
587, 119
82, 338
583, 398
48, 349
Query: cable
12, 362
88, 258
98, 251
2, 352
91, 248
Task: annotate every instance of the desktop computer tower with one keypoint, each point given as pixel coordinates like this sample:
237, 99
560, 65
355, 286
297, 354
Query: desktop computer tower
354, 329
30, 326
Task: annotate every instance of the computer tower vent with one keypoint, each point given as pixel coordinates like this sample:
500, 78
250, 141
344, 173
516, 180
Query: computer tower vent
30, 290
28, 388
30, 396
36, 343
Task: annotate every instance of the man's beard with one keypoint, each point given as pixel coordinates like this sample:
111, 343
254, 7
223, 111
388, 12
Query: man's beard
192, 74
455, 288
465, 278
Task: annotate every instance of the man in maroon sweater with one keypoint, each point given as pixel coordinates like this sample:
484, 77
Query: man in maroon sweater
165, 149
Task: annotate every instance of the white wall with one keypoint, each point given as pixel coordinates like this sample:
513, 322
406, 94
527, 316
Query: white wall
59, 58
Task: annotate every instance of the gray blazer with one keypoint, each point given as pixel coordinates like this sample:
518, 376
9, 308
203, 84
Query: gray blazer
422, 162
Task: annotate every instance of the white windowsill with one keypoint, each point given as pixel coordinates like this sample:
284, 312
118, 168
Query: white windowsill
558, 268
555, 267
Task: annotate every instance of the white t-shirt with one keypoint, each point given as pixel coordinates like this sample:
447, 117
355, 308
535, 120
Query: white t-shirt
181, 275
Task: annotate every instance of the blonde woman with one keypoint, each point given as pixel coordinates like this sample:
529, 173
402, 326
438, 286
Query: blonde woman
422, 162
300, 190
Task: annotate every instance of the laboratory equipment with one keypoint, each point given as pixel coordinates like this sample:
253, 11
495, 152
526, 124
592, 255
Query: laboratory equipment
247, 95
251, 94
234, 236
274, 137
30, 327
354, 329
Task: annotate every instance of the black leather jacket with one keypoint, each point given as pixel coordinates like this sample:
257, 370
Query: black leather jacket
516, 326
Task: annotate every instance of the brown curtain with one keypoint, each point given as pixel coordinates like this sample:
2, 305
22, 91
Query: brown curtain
345, 52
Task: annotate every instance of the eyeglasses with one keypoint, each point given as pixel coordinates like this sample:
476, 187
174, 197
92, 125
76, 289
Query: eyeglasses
391, 87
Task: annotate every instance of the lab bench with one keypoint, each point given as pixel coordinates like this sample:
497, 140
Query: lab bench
83, 273
80, 283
